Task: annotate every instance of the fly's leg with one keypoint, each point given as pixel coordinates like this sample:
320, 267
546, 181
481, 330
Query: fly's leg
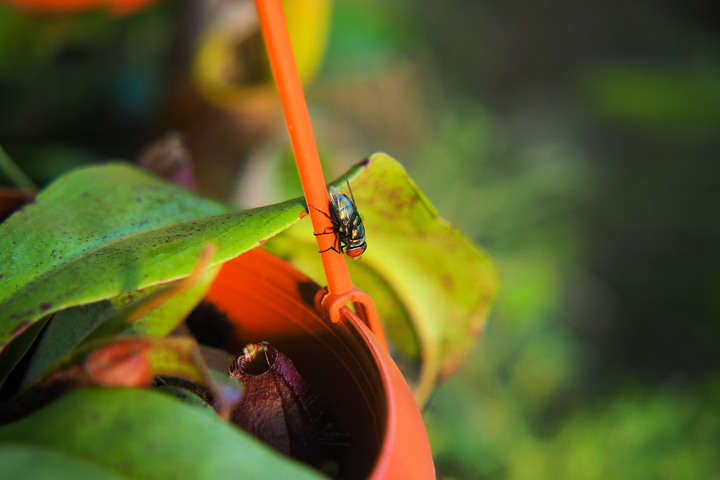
316, 208
337, 241
331, 248
337, 249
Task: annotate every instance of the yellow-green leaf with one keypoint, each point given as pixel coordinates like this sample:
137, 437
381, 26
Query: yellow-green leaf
417, 267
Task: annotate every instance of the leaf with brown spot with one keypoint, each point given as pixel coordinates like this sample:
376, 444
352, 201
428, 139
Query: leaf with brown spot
71, 327
433, 287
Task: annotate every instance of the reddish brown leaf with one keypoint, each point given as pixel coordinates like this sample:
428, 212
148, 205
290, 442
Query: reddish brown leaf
121, 364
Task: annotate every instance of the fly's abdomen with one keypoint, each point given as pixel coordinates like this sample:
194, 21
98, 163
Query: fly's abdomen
357, 232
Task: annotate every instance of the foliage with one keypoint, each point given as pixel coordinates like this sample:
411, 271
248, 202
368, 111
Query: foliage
148, 232
582, 167
150, 249
577, 145
107, 433
434, 288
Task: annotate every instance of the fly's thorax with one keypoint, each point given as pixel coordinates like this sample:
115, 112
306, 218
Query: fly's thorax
344, 209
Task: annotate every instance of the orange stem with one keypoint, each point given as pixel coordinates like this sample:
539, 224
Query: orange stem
282, 61
302, 138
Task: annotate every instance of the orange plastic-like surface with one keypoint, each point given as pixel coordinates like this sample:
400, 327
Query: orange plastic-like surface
267, 299
302, 138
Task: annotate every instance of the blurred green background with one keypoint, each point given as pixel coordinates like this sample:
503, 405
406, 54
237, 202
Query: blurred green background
577, 143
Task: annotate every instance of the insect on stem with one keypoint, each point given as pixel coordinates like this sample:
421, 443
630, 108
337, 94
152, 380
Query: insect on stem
343, 216
347, 224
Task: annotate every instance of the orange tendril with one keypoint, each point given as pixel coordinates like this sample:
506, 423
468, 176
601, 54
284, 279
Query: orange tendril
340, 289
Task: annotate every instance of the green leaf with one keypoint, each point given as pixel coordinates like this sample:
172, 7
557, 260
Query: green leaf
102, 231
424, 269
136, 433
177, 356
165, 318
70, 327
22, 462
12, 355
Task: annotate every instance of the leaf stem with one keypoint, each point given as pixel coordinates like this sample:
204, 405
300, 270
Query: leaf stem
13, 172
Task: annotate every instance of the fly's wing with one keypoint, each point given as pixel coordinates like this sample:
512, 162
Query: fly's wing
352, 197
336, 203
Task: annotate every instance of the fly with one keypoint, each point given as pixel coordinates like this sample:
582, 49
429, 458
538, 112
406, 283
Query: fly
347, 224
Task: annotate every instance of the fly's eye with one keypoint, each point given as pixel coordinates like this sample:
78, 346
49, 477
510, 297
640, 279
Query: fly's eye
356, 251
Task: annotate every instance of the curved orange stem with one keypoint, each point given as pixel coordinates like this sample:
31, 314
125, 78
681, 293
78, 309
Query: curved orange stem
341, 290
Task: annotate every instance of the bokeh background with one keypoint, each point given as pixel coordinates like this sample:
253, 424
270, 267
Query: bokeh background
578, 143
